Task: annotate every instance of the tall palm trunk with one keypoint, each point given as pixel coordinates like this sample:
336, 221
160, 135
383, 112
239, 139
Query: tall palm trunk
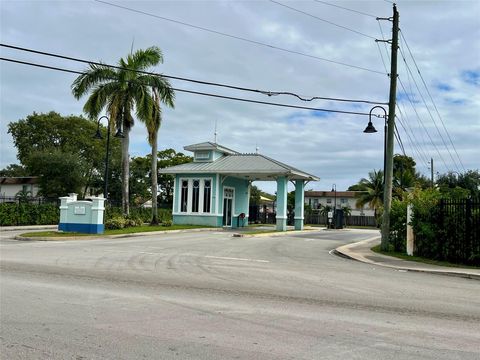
154, 178
125, 171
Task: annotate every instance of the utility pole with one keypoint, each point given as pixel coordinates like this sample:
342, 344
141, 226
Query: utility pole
431, 172
387, 191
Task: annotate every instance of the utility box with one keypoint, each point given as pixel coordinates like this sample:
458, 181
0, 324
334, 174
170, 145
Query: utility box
83, 216
338, 220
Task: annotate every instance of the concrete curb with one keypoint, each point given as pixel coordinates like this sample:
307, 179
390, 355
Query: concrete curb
348, 251
119, 236
277, 233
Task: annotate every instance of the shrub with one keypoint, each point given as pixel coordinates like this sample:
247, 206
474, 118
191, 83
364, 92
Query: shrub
114, 223
29, 214
167, 223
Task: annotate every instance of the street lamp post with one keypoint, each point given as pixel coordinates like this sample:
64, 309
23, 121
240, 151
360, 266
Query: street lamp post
99, 136
371, 129
334, 190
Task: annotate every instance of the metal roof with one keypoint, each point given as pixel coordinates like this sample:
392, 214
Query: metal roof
249, 166
209, 146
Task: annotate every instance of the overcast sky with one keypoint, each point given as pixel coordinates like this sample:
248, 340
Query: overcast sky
444, 37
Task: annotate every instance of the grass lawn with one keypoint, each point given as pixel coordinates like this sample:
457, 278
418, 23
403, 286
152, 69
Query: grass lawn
420, 259
129, 230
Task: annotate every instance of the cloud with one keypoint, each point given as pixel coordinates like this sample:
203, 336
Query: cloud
471, 77
329, 145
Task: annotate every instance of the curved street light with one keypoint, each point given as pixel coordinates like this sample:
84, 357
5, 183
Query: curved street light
370, 129
98, 136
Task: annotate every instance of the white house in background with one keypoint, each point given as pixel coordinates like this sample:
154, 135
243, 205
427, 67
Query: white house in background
11, 186
317, 199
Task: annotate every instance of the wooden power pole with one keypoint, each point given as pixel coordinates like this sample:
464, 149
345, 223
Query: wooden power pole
387, 192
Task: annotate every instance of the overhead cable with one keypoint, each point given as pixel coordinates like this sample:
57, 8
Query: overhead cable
344, 8
263, 92
239, 37
323, 20
428, 110
201, 93
431, 99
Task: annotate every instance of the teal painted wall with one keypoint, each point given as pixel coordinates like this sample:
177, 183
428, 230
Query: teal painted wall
176, 203
240, 203
210, 220
241, 200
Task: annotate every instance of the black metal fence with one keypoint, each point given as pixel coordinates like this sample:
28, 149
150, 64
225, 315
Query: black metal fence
28, 200
459, 235
352, 220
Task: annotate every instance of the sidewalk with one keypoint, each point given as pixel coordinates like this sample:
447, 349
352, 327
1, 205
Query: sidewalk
360, 251
28, 227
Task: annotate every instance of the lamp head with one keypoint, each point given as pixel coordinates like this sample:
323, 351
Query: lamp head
98, 135
370, 129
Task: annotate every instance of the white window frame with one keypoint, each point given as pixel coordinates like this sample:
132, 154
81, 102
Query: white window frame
190, 195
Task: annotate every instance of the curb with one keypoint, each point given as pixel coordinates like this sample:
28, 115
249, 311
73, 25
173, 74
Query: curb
275, 233
118, 236
345, 252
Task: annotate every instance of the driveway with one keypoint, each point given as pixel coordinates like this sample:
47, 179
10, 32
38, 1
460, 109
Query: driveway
213, 296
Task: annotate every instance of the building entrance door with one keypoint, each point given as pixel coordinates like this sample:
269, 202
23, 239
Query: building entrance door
228, 194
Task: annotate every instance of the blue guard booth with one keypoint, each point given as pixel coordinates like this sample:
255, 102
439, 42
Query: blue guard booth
81, 216
214, 189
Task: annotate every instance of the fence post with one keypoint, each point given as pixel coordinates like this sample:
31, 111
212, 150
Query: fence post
410, 234
468, 241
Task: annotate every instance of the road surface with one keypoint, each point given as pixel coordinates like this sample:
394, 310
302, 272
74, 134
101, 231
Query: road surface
208, 295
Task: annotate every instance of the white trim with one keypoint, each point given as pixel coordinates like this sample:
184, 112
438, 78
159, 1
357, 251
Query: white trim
196, 214
174, 192
233, 204
281, 217
217, 190
201, 190
298, 218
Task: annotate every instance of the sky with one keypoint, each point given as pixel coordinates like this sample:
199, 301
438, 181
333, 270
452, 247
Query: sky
280, 46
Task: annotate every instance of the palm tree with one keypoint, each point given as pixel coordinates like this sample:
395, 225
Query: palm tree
372, 191
161, 93
121, 91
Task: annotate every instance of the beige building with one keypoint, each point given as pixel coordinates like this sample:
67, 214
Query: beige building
11, 186
318, 199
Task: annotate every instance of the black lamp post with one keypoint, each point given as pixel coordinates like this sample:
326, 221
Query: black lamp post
334, 190
371, 129
99, 136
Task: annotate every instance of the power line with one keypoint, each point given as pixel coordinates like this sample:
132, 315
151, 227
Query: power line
421, 123
344, 8
431, 99
200, 93
263, 92
428, 110
399, 140
414, 142
320, 19
239, 37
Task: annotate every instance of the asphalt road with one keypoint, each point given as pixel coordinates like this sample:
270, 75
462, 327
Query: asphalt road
208, 295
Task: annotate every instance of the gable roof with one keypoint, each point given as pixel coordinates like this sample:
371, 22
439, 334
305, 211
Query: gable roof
209, 146
249, 166
21, 180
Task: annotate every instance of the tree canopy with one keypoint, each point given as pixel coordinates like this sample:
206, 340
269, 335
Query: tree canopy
44, 137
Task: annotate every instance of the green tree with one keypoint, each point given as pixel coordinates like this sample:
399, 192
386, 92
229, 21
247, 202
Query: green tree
51, 133
60, 173
460, 185
121, 91
167, 158
14, 170
165, 95
371, 191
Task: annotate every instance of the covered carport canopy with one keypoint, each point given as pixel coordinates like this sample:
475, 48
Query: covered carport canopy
257, 167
